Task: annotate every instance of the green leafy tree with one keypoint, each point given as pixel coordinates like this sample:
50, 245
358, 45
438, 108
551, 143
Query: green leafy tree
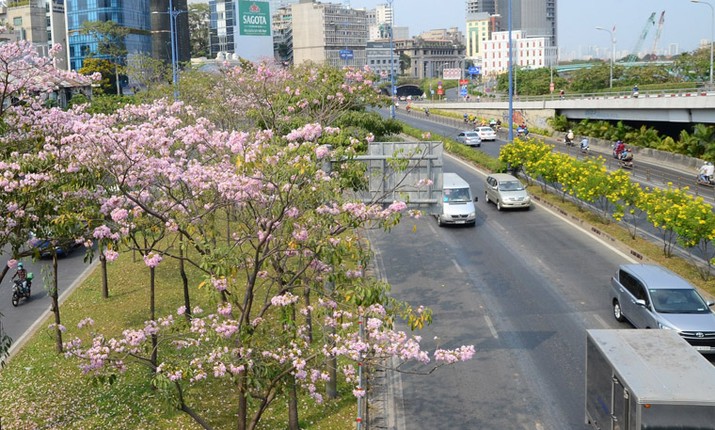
692, 66
199, 16
110, 38
107, 84
145, 71
405, 62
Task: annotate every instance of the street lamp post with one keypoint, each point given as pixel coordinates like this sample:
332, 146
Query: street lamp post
613, 52
511, 89
392, 62
174, 62
712, 33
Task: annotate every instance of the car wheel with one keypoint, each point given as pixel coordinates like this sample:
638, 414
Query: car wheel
486, 197
498, 205
617, 314
439, 221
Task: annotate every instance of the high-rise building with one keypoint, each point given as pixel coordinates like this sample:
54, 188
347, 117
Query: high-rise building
329, 33
480, 26
148, 23
536, 18
380, 22
222, 26
480, 6
40, 22
161, 30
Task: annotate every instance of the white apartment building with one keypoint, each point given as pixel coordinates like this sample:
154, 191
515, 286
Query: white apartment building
528, 52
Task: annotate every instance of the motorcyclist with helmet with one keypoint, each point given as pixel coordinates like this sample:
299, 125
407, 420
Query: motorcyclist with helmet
706, 172
569, 137
21, 275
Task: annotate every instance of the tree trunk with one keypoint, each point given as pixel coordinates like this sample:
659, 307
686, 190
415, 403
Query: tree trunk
152, 317
242, 403
4, 272
331, 386
292, 405
103, 263
116, 76
185, 280
308, 315
56, 305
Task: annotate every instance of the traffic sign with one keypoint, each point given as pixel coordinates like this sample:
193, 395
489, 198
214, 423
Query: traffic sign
463, 91
346, 54
474, 70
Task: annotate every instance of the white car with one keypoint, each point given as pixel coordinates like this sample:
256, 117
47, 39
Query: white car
486, 133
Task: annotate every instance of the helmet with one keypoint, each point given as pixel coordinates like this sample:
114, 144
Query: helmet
707, 163
19, 265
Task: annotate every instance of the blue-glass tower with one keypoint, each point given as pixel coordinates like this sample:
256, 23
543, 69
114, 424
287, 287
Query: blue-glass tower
133, 14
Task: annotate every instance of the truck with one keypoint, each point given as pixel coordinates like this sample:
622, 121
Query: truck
647, 379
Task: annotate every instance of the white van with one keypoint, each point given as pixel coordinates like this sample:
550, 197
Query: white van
457, 205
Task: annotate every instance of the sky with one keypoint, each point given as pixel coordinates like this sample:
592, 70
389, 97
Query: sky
686, 24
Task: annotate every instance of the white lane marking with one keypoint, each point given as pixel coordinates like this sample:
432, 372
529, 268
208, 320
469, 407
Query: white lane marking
491, 327
459, 268
600, 320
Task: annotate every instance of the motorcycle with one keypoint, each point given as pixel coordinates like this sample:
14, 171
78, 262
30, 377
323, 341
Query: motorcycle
626, 162
21, 289
707, 181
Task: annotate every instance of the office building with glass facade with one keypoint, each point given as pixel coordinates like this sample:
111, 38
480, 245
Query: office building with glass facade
133, 14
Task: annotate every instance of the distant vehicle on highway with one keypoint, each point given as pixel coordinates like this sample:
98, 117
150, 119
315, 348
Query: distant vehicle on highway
652, 297
469, 138
506, 191
486, 133
43, 247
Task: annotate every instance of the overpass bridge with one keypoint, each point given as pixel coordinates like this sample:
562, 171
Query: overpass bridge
685, 107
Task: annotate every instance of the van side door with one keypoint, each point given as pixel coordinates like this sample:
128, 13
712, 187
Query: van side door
638, 315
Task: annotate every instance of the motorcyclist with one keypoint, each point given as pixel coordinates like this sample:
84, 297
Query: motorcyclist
466, 117
627, 155
706, 172
569, 137
427, 111
21, 275
618, 148
584, 144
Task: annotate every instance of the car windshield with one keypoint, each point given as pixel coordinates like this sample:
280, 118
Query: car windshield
456, 195
678, 301
485, 129
511, 186
471, 134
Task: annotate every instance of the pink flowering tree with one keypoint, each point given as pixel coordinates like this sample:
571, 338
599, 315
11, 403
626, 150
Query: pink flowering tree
270, 229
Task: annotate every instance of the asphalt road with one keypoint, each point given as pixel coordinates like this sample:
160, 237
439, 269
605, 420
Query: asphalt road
522, 287
17, 320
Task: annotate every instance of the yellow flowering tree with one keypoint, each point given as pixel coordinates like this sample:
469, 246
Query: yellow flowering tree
663, 209
696, 229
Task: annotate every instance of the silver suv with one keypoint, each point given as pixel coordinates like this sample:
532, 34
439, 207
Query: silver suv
651, 296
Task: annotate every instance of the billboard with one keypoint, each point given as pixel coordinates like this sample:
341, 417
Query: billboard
253, 34
254, 18
452, 73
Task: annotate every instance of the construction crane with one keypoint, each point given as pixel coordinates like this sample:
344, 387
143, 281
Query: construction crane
639, 44
653, 51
